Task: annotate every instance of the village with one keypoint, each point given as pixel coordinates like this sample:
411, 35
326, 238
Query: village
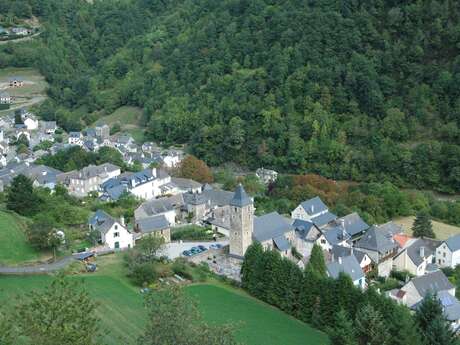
364, 252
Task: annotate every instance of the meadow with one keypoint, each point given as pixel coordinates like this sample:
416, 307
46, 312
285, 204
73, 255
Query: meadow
442, 230
14, 248
123, 316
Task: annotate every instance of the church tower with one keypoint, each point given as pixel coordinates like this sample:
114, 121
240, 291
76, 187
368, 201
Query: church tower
241, 222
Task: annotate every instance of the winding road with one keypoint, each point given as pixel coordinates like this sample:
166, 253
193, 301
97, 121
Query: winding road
35, 269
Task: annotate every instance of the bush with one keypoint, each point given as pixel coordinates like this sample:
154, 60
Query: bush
191, 233
180, 267
143, 274
401, 275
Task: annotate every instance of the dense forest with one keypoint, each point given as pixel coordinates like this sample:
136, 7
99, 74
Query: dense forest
349, 89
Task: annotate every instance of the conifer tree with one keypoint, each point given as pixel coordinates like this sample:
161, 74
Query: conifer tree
434, 329
370, 327
317, 263
248, 269
342, 333
422, 226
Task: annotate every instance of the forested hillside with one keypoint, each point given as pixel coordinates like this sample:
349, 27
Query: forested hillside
365, 90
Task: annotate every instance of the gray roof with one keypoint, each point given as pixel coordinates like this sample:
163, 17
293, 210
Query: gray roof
92, 171
353, 223
240, 198
453, 243
281, 243
314, 206
49, 124
324, 219
378, 239
158, 206
303, 227
336, 235
101, 221
415, 252
213, 197
185, 183
431, 282
269, 226
341, 251
450, 306
152, 224
42, 174
348, 265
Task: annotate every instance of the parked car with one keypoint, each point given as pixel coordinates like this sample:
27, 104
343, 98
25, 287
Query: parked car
215, 246
203, 248
195, 250
187, 253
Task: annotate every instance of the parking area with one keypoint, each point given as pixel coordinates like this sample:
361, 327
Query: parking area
175, 249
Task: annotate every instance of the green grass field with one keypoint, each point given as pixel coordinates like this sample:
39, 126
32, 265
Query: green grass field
13, 244
257, 323
126, 116
123, 317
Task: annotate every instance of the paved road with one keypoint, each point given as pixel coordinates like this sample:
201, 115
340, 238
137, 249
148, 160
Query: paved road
43, 268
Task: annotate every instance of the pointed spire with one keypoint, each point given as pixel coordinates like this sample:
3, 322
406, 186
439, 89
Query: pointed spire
240, 198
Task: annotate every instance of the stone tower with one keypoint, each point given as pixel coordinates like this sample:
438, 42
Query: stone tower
241, 222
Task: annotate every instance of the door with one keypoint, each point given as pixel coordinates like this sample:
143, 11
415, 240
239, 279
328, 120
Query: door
117, 245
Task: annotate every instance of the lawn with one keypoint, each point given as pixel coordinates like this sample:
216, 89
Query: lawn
126, 116
257, 323
442, 230
123, 317
13, 244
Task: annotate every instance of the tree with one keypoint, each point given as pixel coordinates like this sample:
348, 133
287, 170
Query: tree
370, 327
150, 246
7, 329
422, 226
195, 169
173, 318
21, 197
316, 264
342, 333
61, 314
435, 330
42, 234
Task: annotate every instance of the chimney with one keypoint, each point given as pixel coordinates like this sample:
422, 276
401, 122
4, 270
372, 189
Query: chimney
422, 252
342, 225
122, 221
340, 260
312, 209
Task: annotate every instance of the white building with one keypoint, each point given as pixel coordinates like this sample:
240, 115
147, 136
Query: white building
415, 257
30, 122
75, 138
448, 253
5, 98
114, 234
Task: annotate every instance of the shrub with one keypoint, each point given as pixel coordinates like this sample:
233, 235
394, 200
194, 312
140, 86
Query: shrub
143, 274
192, 233
180, 267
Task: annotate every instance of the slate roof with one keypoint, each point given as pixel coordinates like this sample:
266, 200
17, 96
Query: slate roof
414, 250
324, 219
348, 265
281, 243
378, 239
303, 227
212, 197
152, 224
354, 224
431, 282
314, 206
240, 198
341, 251
158, 206
185, 183
453, 243
450, 306
269, 226
49, 124
101, 221
43, 174
336, 235
75, 135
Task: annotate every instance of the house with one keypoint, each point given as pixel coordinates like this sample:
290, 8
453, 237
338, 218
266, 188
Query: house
352, 224
146, 184
379, 244
306, 235
158, 226
114, 233
43, 176
30, 121
102, 131
415, 257
171, 158
3, 31
49, 127
75, 138
274, 232
363, 259
347, 265
417, 288
448, 253
333, 236
5, 98
80, 183
315, 211
185, 185
169, 207
266, 175
16, 82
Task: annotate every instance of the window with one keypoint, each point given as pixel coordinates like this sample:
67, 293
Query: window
116, 234
444, 255
116, 227
323, 241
